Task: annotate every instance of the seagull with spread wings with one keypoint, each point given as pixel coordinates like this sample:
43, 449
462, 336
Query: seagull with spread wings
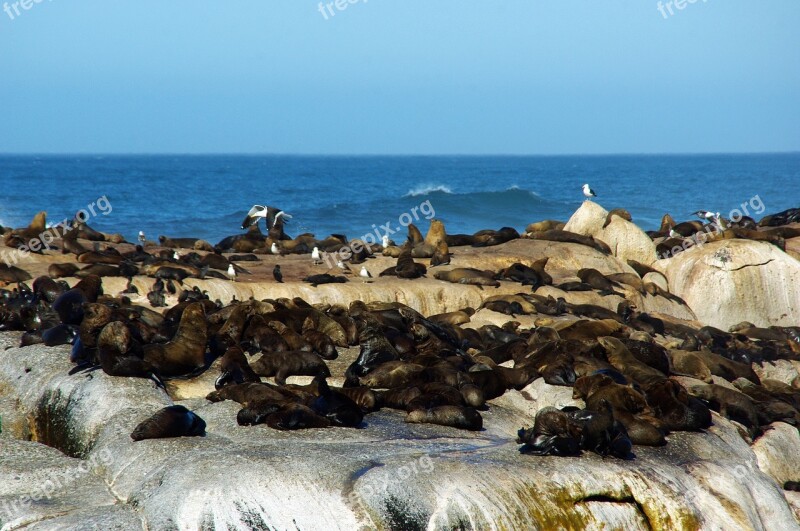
269, 213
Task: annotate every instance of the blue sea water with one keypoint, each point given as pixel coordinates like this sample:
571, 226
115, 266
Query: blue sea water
207, 196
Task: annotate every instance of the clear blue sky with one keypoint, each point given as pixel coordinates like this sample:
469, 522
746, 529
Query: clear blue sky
400, 76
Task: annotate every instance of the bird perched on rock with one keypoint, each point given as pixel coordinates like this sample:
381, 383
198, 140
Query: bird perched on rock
364, 273
276, 272
231, 273
588, 192
274, 249
315, 256
142, 239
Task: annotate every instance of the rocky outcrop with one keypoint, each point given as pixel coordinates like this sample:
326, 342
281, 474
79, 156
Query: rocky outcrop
730, 281
626, 240
387, 475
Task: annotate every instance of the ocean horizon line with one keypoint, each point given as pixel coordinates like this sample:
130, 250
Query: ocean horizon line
399, 155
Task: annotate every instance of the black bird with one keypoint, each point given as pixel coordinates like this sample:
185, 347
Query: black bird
276, 272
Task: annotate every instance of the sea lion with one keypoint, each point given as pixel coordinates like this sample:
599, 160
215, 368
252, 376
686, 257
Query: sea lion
641, 269
598, 281
324, 278
391, 374
441, 254
554, 432
458, 317
296, 417
281, 365
571, 237
18, 237
544, 226
234, 369
619, 212
675, 408
335, 406
249, 394
406, 267
464, 418
13, 274
487, 238
186, 351
62, 270
69, 305
119, 354
602, 433
172, 421
731, 404
686, 363
468, 275
621, 358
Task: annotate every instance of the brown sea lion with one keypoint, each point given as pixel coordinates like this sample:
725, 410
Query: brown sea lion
281, 365
62, 270
235, 369
465, 418
441, 255
733, 405
686, 363
543, 226
487, 238
186, 351
12, 274
468, 275
571, 237
621, 359
458, 317
392, 374
172, 421
619, 212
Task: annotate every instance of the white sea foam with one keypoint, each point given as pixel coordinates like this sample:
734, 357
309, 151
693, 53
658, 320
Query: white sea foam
426, 189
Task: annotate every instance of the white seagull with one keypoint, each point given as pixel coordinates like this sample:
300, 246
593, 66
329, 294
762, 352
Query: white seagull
588, 192
274, 249
385, 241
142, 239
231, 272
364, 273
705, 214
270, 214
315, 256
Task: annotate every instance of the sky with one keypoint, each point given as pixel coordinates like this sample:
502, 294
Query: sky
400, 77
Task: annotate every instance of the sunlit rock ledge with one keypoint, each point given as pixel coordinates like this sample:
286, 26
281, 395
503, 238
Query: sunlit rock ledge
387, 475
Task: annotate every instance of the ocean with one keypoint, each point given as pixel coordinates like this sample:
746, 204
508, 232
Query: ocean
208, 196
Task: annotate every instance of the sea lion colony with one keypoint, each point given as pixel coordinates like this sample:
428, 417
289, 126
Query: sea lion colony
622, 363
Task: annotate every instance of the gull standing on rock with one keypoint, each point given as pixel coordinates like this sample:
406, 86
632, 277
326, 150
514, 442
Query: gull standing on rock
588, 192
364, 273
315, 256
274, 249
231, 273
142, 239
